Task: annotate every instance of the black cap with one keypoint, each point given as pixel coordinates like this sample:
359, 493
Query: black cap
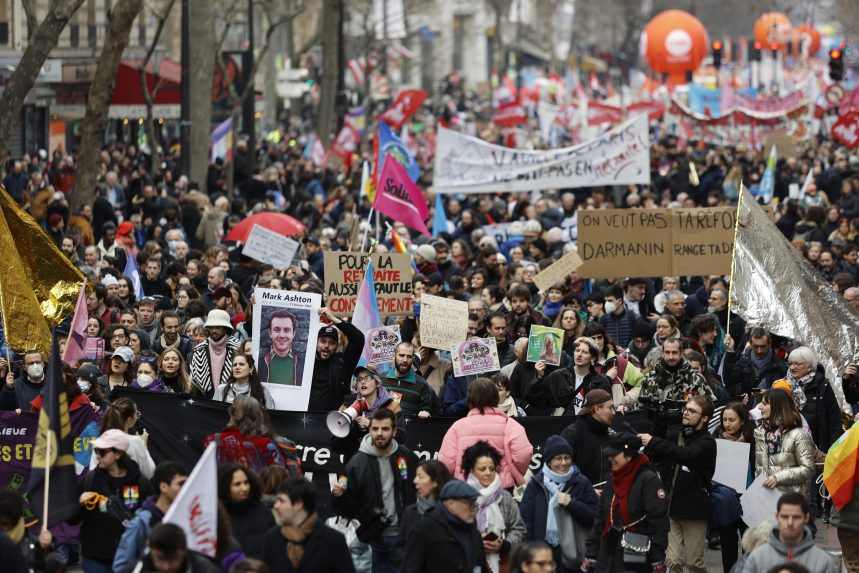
622, 442
434, 279
330, 332
89, 372
458, 489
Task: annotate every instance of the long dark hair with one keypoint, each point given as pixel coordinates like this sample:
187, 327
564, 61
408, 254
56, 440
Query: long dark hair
747, 429
225, 479
783, 411
256, 390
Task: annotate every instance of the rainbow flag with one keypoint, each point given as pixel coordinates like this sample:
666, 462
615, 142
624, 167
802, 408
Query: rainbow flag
839, 471
366, 315
400, 247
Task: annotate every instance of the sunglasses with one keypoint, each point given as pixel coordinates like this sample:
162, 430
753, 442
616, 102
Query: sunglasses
103, 451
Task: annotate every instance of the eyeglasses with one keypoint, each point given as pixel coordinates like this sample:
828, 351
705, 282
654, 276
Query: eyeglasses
366, 378
691, 410
102, 451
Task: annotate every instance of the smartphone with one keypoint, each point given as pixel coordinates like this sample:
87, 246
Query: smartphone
491, 536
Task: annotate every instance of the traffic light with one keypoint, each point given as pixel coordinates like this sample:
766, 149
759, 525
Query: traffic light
755, 52
836, 64
717, 54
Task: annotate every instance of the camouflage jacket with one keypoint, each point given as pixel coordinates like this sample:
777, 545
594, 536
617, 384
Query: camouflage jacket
679, 385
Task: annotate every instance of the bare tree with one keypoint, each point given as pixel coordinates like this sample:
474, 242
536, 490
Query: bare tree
120, 19
328, 85
39, 46
501, 10
201, 53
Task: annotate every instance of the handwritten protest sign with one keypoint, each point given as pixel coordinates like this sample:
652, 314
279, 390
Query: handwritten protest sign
443, 321
544, 343
267, 246
656, 242
558, 271
499, 231
466, 164
474, 356
382, 342
732, 464
392, 273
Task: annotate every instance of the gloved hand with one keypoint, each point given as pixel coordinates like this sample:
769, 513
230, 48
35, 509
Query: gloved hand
660, 567
589, 565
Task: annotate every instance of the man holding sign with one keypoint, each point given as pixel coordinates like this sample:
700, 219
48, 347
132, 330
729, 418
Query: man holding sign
565, 388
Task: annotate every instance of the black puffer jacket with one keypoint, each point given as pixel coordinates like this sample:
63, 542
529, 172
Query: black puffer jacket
434, 546
821, 411
587, 437
331, 378
695, 463
250, 520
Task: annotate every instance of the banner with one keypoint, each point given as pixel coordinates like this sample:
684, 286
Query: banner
404, 108
285, 327
267, 246
656, 242
443, 321
399, 198
544, 343
474, 356
466, 164
392, 275
381, 343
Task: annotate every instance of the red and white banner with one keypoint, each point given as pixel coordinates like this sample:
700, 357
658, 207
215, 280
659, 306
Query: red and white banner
345, 144
846, 129
599, 113
404, 108
510, 115
751, 104
195, 509
318, 155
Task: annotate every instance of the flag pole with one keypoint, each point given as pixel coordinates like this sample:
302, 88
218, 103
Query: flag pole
733, 257
48, 465
367, 229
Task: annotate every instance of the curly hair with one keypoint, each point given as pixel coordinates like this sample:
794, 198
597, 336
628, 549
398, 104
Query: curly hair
479, 450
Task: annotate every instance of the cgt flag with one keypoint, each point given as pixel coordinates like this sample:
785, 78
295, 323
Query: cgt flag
53, 462
399, 198
195, 509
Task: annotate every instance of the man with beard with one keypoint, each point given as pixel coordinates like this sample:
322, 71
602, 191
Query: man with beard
408, 388
212, 359
567, 387
378, 482
170, 337
332, 370
498, 330
281, 365
446, 267
589, 434
673, 378
718, 306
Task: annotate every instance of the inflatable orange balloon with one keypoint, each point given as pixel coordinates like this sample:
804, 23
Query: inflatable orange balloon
806, 38
674, 43
773, 27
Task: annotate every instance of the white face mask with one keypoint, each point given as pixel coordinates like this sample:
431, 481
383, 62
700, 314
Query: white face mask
144, 380
83, 385
610, 307
35, 371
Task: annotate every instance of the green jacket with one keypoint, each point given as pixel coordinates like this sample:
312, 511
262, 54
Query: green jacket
848, 517
678, 385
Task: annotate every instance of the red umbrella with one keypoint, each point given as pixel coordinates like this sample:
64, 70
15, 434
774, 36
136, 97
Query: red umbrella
277, 222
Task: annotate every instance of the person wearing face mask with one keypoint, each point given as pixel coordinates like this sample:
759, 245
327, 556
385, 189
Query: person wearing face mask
75, 396
147, 377
18, 393
87, 380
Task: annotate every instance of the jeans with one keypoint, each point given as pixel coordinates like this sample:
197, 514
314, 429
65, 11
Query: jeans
92, 566
387, 555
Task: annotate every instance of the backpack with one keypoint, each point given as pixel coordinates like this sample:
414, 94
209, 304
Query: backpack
289, 451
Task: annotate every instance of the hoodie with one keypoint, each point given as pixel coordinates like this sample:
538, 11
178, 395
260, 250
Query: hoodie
775, 552
386, 472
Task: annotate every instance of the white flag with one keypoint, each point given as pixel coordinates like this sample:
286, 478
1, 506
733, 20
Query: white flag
809, 179
195, 509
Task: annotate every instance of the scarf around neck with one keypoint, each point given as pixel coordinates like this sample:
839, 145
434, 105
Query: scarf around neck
760, 363
554, 483
425, 504
295, 536
621, 481
508, 406
489, 516
797, 387
218, 357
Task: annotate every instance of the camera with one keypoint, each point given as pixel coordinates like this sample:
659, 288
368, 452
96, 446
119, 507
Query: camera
665, 412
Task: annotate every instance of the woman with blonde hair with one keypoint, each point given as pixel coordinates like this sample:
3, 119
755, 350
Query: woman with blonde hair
570, 321
174, 373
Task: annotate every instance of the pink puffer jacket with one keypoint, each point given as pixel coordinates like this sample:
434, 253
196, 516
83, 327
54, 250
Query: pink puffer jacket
493, 426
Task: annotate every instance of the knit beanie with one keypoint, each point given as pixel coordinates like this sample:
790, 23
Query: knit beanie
555, 446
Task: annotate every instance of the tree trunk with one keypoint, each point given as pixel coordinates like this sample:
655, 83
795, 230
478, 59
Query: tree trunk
328, 85
120, 20
148, 96
41, 43
202, 56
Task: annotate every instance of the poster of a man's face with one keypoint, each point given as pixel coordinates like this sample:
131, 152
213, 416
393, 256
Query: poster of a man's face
281, 330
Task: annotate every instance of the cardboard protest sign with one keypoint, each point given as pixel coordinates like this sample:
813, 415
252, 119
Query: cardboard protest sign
267, 246
474, 356
285, 327
656, 242
544, 343
785, 146
558, 271
382, 342
443, 321
392, 273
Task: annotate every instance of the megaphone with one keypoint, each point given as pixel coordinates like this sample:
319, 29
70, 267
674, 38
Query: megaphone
340, 423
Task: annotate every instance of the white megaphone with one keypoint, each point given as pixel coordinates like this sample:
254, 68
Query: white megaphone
340, 423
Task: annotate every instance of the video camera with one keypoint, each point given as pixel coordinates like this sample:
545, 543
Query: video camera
665, 412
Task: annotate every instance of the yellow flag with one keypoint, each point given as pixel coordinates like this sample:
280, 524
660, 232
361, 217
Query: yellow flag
39, 285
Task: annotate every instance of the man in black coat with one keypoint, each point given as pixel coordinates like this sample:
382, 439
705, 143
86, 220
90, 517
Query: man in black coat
688, 462
589, 434
332, 370
757, 367
447, 539
303, 543
566, 387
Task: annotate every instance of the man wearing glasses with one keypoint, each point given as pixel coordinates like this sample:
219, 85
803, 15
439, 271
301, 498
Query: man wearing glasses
688, 460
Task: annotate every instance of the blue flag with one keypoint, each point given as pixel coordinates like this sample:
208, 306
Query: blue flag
439, 218
132, 271
390, 144
53, 458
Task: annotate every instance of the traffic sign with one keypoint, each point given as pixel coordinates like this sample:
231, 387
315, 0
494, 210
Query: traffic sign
835, 94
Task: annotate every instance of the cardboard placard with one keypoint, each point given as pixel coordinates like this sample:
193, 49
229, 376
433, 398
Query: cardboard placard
474, 356
382, 342
392, 274
558, 271
267, 246
544, 343
784, 144
443, 321
656, 242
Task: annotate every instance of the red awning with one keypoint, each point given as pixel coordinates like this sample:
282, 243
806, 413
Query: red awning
128, 91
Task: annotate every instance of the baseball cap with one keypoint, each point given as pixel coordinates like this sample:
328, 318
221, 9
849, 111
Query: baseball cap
116, 439
330, 332
124, 352
365, 368
622, 442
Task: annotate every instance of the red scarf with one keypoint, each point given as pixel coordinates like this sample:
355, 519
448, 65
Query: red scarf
621, 482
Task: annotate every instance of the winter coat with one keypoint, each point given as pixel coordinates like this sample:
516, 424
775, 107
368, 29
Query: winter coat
848, 516
689, 496
739, 373
559, 390
21, 396
331, 378
514, 527
201, 366
325, 551
133, 542
435, 371
502, 433
792, 465
433, 547
775, 552
647, 497
664, 384
211, 228
534, 506
455, 400
250, 520
587, 437
101, 531
821, 410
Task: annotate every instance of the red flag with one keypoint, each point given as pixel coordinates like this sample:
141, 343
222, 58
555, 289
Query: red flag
318, 154
510, 115
404, 108
345, 144
78, 333
603, 113
399, 198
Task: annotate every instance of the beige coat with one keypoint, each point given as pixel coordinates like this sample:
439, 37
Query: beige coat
792, 466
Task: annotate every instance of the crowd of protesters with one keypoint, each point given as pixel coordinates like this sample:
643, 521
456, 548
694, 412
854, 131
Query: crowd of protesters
601, 500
